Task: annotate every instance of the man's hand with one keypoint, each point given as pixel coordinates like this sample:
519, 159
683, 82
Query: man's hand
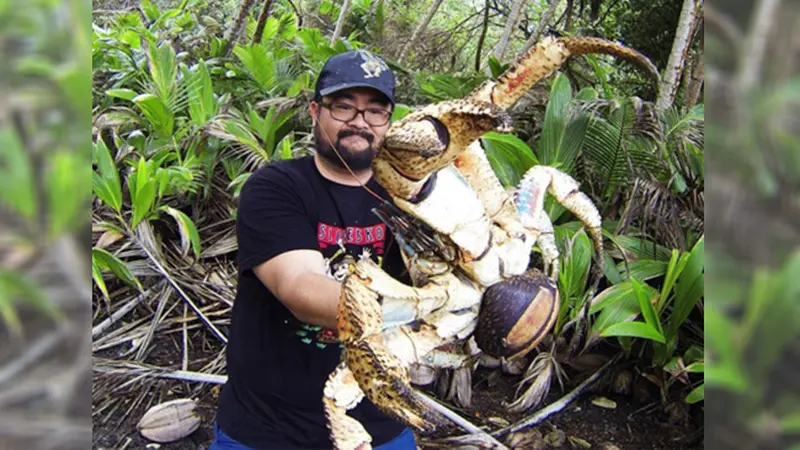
297, 278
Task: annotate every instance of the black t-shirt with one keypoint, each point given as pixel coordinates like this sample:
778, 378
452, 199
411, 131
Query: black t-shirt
277, 365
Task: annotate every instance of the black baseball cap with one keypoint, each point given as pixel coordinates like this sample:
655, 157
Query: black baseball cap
356, 68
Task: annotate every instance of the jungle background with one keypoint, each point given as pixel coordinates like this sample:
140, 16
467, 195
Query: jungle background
180, 118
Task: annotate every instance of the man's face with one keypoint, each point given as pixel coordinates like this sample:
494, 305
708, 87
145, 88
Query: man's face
356, 139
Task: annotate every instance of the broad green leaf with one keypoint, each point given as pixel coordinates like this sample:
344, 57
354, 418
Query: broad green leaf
188, 230
157, 113
151, 10
260, 65
145, 197
106, 261
400, 111
101, 189
125, 94
575, 267
131, 38
555, 121
646, 305
634, 329
200, 94
698, 394
696, 367
642, 269
495, 66
617, 304
610, 270
640, 248
163, 72
509, 157
97, 276
689, 287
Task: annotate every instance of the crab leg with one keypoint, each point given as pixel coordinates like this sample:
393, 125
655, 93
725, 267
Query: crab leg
381, 374
537, 63
540, 180
341, 394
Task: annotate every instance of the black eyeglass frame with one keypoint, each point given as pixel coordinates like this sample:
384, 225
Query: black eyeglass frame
363, 113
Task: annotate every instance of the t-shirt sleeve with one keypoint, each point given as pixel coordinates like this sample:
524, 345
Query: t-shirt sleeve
271, 219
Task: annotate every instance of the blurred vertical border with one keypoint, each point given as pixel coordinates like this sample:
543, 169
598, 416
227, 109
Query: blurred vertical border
752, 317
45, 220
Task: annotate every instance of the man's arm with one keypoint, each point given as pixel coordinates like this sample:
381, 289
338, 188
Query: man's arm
297, 278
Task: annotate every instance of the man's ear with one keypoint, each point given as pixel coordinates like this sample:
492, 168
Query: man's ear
313, 110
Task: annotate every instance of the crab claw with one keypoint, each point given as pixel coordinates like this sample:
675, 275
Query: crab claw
433, 137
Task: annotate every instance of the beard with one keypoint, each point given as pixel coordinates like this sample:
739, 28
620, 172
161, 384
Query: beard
356, 159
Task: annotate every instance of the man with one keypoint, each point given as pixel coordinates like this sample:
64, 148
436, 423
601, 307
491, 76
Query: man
294, 219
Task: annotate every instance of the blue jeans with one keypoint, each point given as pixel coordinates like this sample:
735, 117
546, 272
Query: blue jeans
222, 441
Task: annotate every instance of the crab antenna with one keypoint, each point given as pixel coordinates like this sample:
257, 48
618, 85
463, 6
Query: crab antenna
544, 58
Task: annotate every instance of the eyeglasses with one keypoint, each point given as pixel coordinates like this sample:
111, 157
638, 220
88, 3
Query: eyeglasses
344, 113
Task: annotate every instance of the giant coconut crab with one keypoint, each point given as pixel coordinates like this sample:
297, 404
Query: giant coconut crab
467, 243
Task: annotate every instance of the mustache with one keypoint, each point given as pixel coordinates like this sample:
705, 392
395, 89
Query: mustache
350, 132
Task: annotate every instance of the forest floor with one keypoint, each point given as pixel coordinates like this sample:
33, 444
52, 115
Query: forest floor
639, 420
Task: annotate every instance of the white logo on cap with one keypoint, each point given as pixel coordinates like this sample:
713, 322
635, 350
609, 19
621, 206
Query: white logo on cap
372, 66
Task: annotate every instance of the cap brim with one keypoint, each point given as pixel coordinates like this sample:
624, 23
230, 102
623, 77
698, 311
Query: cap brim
330, 90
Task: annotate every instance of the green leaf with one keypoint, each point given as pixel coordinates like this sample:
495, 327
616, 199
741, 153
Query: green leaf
495, 66
106, 261
648, 311
17, 187
640, 248
145, 197
575, 267
163, 72
15, 287
400, 111
151, 10
125, 94
188, 230
698, 394
643, 269
200, 94
97, 276
555, 121
65, 190
634, 329
689, 287
260, 65
509, 157
157, 113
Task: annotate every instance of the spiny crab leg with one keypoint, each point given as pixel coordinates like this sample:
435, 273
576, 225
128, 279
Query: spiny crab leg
530, 202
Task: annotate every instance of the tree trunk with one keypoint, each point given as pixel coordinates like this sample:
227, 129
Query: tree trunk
420, 29
513, 18
340, 23
546, 18
483, 36
683, 33
754, 48
235, 30
696, 78
262, 21
569, 13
